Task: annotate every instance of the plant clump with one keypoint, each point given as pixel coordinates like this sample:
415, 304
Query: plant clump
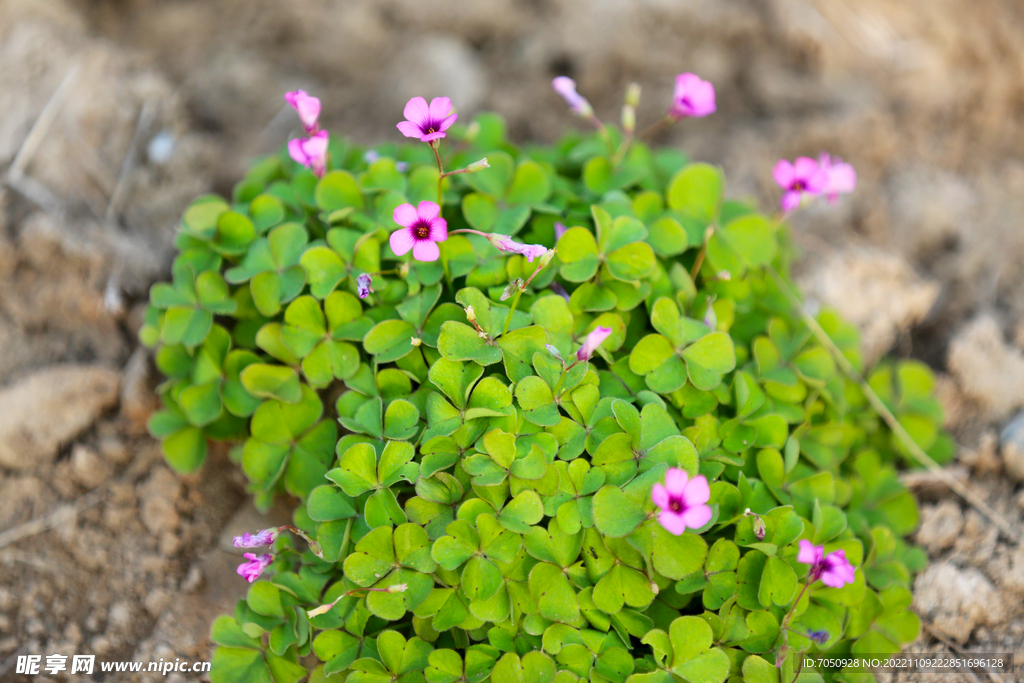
549, 417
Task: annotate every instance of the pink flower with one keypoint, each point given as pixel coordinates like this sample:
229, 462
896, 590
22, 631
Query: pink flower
683, 501
505, 243
693, 97
834, 570
428, 123
593, 340
803, 177
841, 178
257, 540
311, 152
363, 285
422, 227
307, 107
559, 230
558, 289
251, 570
566, 87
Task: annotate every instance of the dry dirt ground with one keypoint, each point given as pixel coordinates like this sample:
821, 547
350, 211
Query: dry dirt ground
114, 113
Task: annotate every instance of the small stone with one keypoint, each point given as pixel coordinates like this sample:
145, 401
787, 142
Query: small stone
87, 468
49, 408
138, 400
158, 495
988, 369
119, 617
940, 526
156, 602
101, 645
9, 644
193, 580
5, 624
114, 450
957, 600
169, 544
72, 633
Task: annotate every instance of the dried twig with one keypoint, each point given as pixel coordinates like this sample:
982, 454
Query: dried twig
54, 519
42, 125
953, 647
147, 116
897, 429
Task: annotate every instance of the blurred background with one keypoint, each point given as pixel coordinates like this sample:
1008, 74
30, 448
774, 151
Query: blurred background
115, 113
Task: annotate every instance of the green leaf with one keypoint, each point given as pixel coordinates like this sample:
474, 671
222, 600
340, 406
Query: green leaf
522, 512
615, 513
537, 402
389, 340
272, 381
338, 190
234, 665
696, 190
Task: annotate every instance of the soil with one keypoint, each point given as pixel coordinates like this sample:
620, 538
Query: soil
105, 551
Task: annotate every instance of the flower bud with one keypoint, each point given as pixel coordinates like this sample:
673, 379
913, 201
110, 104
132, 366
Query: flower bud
415, 341
546, 257
478, 166
470, 314
398, 588
553, 351
511, 288
759, 528
633, 95
628, 118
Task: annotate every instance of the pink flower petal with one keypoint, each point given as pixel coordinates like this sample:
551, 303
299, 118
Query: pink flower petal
805, 168
808, 552
428, 210
590, 344
448, 121
697, 491
409, 129
790, 201
438, 230
842, 179
402, 240
425, 250
659, 495
405, 215
296, 152
417, 111
315, 145
672, 522
696, 517
440, 107
783, 173
676, 480
430, 137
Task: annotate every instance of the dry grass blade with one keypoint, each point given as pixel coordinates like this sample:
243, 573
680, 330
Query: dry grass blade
897, 429
54, 519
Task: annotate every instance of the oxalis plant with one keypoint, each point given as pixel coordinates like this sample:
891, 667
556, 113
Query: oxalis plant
545, 414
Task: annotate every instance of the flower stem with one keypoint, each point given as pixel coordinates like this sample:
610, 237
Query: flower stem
897, 429
511, 310
656, 127
701, 254
440, 170
565, 371
603, 131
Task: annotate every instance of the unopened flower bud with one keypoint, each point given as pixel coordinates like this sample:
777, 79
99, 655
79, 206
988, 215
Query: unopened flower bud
470, 314
546, 257
553, 351
628, 118
478, 166
724, 275
512, 287
819, 637
403, 270
633, 95
654, 588
759, 529
415, 341
398, 588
